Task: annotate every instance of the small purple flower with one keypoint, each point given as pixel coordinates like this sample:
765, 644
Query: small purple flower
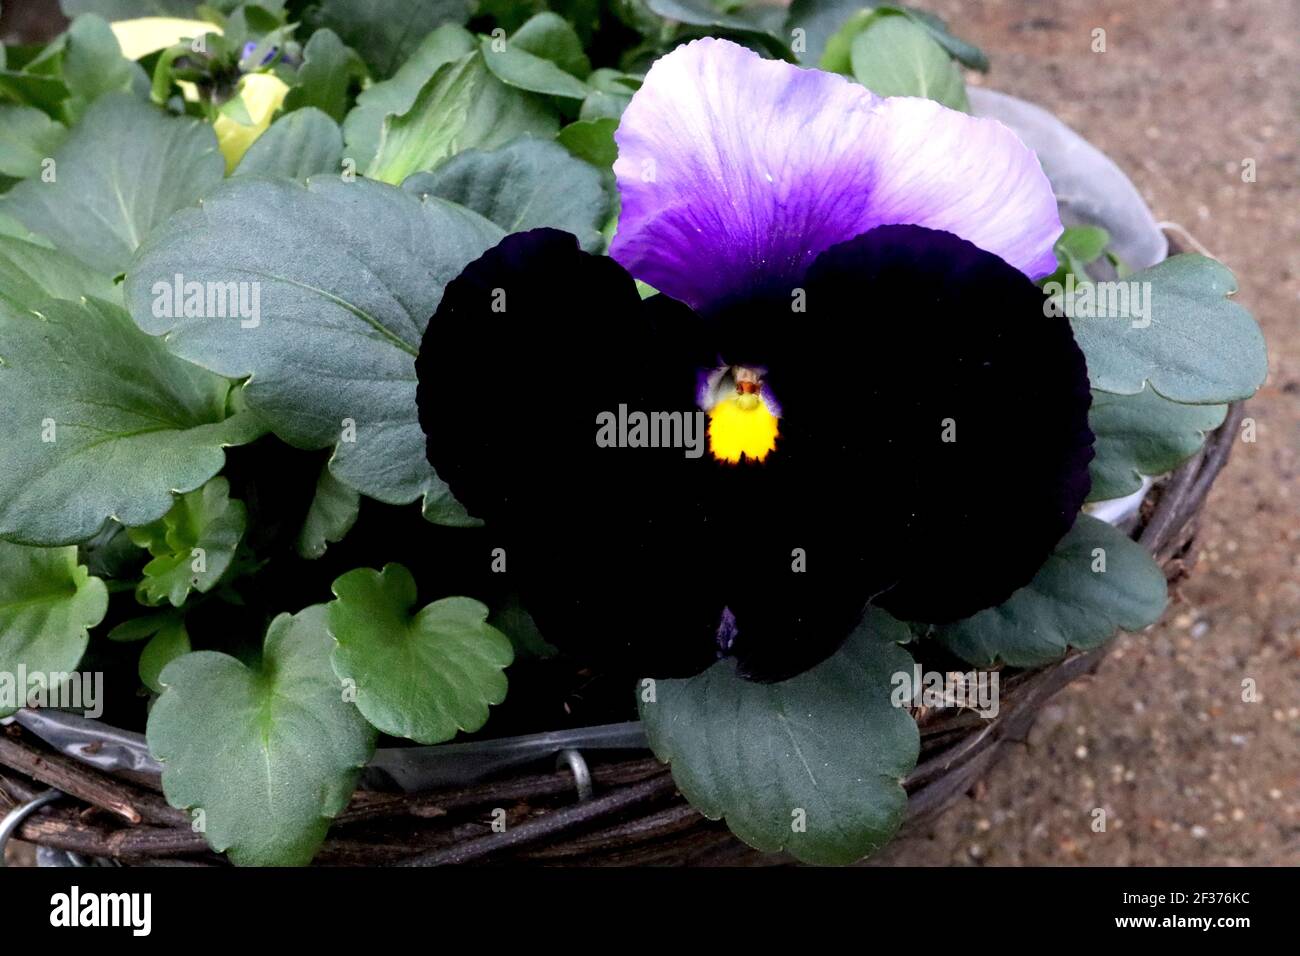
755, 166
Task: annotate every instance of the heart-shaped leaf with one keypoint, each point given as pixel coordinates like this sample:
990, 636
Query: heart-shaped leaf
269, 754
122, 170
355, 269
48, 603
1096, 581
1143, 434
524, 185
298, 144
122, 424
192, 545
1195, 346
463, 105
422, 675
813, 765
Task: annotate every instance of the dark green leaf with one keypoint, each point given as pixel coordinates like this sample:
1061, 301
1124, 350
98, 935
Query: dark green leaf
421, 674
48, 603
1144, 434
299, 144
893, 56
168, 643
591, 140
813, 765
121, 425
27, 138
1196, 346
746, 23
30, 274
387, 32
93, 65
124, 169
270, 755
394, 97
328, 72
523, 185
549, 36
1071, 602
461, 107
192, 545
357, 268
333, 512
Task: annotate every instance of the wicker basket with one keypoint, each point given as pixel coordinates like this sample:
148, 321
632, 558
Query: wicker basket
632, 814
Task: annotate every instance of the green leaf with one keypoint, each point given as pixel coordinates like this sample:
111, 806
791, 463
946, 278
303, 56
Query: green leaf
830, 25
740, 22
422, 676
93, 65
827, 748
101, 421
551, 37
523, 185
333, 512
124, 169
515, 66
147, 625
30, 274
297, 145
364, 124
894, 56
270, 754
1071, 602
168, 643
1143, 434
1196, 346
462, 106
592, 141
387, 32
356, 269
192, 545
513, 620
1076, 248
27, 138
325, 79
48, 603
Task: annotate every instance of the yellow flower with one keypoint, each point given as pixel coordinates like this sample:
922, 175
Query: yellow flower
140, 37
262, 94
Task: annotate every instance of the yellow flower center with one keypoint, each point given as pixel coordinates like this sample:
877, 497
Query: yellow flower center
742, 426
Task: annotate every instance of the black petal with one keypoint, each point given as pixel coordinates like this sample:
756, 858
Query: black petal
609, 547
905, 329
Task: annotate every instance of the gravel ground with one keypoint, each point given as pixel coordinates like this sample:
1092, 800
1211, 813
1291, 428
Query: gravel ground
1160, 739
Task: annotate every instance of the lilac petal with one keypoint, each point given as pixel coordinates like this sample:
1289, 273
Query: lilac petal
735, 172
942, 169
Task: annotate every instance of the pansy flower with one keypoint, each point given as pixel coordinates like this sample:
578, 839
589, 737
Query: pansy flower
846, 392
